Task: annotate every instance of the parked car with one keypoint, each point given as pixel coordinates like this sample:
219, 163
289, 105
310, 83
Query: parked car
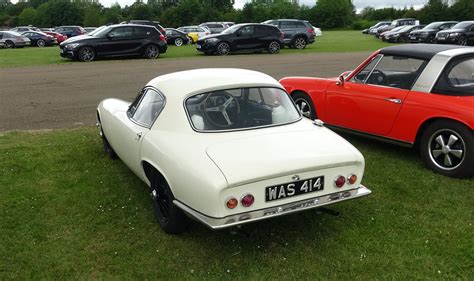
401, 35
116, 40
243, 37
46, 29
14, 39
298, 33
372, 30
2, 43
317, 31
39, 39
21, 29
428, 33
418, 96
70, 31
231, 122
194, 32
176, 37
396, 23
59, 37
461, 34
396, 29
89, 29
215, 27
156, 24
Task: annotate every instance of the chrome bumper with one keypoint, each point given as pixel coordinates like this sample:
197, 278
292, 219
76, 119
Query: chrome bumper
238, 219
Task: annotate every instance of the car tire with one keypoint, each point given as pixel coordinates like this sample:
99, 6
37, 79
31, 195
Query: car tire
170, 218
191, 41
274, 47
223, 49
86, 54
305, 105
299, 43
447, 147
462, 41
9, 44
178, 42
152, 51
431, 40
107, 148
40, 43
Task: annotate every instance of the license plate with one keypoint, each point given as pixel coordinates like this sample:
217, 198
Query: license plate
281, 191
412, 37
198, 46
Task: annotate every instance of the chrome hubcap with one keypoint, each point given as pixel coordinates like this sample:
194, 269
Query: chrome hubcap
87, 54
178, 42
152, 52
303, 107
274, 47
223, 49
446, 149
41, 43
300, 43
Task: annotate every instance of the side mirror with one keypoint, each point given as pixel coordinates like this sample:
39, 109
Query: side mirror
340, 82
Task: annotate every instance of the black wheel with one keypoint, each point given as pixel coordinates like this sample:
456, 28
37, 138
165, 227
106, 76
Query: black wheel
9, 44
152, 51
40, 43
223, 49
86, 54
171, 219
462, 41
107, 148
299, 43
190, 41
431, 40
178, 42
274, 47
447, 147
305, 105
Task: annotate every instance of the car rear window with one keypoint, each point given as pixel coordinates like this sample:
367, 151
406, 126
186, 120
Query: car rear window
240, 109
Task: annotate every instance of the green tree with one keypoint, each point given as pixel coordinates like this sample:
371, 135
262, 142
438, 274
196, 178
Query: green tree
28, 16
113, 14
140, 11
335, 13
462, 10
434, 10
92, 16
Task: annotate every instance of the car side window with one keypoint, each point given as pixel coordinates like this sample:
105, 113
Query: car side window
457, 79
287, 24
121, 32
247, 30
364, 72
141, 32
396, 71
472, 28
148, 108
299, 24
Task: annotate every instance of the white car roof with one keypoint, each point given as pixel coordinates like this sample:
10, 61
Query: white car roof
180, 85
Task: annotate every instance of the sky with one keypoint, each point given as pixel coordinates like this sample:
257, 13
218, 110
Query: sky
359, 4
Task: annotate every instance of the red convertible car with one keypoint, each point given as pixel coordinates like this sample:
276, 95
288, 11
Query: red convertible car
414, 95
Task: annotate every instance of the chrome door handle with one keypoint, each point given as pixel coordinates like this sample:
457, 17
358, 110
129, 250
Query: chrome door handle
397, 101
139, 135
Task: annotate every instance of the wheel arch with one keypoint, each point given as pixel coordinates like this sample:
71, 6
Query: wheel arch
149, 169
300, 35
432, 120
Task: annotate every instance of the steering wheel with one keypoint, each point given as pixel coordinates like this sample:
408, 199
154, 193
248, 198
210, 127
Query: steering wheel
220, 108
378, 78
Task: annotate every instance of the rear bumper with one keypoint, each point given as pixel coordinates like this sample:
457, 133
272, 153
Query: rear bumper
243, 218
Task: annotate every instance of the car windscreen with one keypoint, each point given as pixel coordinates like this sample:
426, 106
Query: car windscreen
405, 28
462, 25
240, 109
101, 31
231, 29
433, 25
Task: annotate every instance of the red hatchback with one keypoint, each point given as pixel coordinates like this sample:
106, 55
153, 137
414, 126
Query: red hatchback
59, 37
413, 95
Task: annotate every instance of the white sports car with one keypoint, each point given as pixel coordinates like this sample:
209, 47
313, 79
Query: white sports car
227, 147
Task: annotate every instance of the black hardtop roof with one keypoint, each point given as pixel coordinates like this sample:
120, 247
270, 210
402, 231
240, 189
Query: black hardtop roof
421, 51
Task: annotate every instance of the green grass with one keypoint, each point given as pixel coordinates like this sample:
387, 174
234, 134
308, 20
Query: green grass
68, 212
331, 41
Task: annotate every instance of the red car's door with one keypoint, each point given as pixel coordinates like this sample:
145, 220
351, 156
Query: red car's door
367, 108
370, 100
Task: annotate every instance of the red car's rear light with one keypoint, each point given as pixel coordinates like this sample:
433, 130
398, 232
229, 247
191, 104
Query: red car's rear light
162, 38
310, 30
282, 35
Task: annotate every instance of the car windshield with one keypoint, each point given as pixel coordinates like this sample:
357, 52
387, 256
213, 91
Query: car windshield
14, 33
462, 25
97, 30
397, 28
231, 29
406, 28
240, 109
433, 25
101, 31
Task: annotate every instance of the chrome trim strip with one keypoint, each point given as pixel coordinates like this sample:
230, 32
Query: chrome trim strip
242, 218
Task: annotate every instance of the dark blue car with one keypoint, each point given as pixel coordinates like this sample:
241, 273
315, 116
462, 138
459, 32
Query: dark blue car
39, 39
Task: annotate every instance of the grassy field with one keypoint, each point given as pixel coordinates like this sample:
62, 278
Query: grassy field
331, 41
68, 212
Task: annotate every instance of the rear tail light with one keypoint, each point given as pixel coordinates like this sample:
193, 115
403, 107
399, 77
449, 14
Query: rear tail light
310, 30
207, 33
162, 38
231, 203
339, 181
247, 200
282, 35
351, 179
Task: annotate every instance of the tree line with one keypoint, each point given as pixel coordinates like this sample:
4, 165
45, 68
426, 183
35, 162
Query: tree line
324, 14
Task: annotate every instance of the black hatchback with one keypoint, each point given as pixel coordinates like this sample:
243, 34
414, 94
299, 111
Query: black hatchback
243, 37
115, 40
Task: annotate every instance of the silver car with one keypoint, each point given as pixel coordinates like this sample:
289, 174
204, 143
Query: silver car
13, 39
